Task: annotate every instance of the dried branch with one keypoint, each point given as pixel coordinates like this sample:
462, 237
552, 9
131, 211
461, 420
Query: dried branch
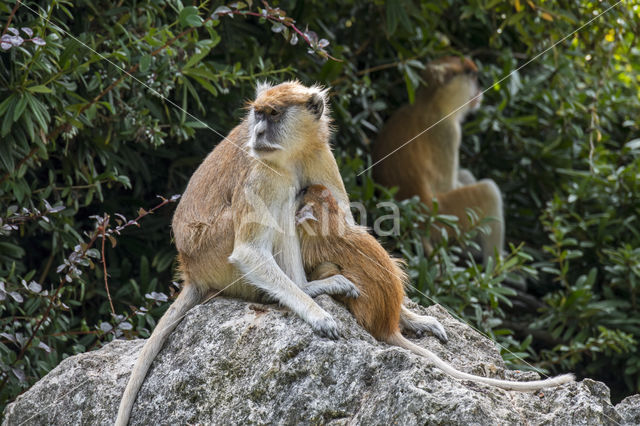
11, 15
104, 226
81, 252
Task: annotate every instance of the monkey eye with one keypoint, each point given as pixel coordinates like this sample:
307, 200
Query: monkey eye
273, 113
303, 191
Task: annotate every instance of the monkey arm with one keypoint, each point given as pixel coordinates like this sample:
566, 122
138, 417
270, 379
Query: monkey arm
259, 268
335, 285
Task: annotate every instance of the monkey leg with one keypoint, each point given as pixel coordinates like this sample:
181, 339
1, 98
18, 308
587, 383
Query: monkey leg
268, 277
465, 177
484, 196
418, 324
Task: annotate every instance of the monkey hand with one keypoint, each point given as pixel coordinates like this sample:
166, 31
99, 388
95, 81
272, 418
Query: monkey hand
335, 285
325, 326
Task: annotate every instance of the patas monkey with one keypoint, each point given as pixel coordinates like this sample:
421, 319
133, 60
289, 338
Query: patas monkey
329, 246
428, 166
234, 227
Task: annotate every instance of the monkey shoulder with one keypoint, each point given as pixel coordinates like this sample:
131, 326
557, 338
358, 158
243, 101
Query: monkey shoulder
204, 208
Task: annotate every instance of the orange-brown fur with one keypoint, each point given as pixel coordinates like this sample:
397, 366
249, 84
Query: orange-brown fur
329, 248
224, 246
428, 165
361, 259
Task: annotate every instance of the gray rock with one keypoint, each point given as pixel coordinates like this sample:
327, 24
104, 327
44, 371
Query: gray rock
629, 409
233, 362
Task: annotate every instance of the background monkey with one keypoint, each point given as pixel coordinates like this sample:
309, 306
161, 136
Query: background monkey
234, 226
330, 246
429, 165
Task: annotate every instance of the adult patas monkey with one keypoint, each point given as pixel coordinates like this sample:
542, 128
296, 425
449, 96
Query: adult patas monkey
234, 226
428, 166
330, 245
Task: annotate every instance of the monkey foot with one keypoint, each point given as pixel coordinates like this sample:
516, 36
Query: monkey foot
419, 324
436, 329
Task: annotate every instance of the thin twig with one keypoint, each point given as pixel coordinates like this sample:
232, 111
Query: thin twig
13, 12
62, 127
104, 226
277, 20
101, 230
47, 266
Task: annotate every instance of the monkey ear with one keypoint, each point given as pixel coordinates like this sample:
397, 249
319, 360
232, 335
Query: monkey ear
262, 86
435, 72
305, 214
315, 104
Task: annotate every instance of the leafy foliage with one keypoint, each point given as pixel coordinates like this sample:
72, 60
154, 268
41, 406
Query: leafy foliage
84, 144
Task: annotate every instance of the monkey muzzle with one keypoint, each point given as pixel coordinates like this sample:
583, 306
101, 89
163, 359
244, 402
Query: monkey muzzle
260, 142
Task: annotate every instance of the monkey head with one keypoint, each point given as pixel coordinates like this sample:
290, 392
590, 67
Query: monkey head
319, 214
454, 81
286, 119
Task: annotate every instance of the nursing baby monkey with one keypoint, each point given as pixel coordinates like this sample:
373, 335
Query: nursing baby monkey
428, 165
234, 229
234, 226
331, 246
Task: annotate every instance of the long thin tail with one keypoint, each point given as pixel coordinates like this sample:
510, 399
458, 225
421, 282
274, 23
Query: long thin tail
188, 298
398, 339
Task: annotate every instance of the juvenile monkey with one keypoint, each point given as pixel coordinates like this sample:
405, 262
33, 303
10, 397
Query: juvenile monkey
331, 246
234, 226
429, 165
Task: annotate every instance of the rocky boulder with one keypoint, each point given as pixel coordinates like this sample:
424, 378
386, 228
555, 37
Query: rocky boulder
234, 362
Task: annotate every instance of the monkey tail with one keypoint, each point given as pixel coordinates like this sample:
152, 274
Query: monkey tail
398, 339
188, 298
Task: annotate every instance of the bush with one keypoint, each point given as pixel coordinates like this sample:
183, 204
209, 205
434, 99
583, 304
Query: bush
83, 142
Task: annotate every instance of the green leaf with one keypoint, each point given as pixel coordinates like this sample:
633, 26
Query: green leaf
145, 62
392, 16
204, 83
8, 119
205, 47
39, 89
411, 90
5, 104
19, 109
189, 17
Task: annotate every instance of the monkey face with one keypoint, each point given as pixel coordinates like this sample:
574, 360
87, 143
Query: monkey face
266, 129
457, 81
319, 211
284, 117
